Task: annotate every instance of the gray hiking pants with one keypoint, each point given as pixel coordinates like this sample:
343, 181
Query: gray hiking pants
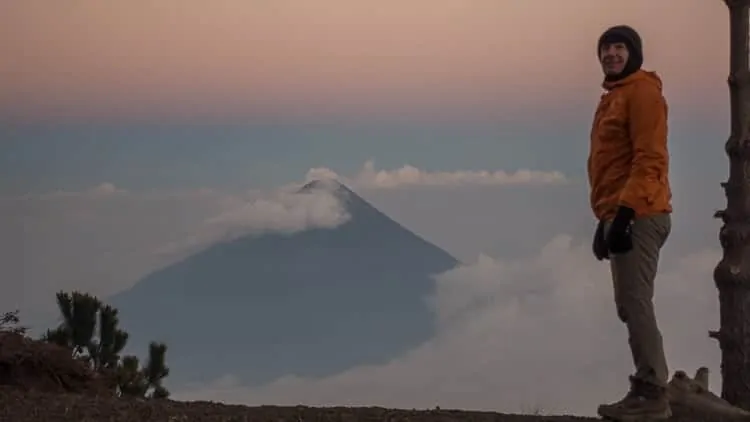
633, 275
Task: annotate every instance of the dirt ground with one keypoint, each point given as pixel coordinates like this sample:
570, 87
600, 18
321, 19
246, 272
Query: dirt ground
25, 406
17, 406
40, 382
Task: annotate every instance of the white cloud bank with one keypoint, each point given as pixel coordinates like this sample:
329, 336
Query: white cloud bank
283, 211
513, 336
289, 211
410, 176
63, 233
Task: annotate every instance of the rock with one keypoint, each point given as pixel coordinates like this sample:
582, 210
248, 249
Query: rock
692, 396
28, 364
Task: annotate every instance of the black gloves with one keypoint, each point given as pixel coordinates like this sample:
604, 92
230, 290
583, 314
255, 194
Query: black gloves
619, 238
600, 244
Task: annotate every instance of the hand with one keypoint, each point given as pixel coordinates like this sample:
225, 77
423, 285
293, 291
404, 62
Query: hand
599, 246
619, 237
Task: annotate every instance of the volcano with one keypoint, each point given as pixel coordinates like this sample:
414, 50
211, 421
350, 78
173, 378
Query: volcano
311, 303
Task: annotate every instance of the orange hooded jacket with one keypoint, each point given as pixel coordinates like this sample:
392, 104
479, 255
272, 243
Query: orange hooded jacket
628, 161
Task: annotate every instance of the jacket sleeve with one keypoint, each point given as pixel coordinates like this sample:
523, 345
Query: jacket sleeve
647, 116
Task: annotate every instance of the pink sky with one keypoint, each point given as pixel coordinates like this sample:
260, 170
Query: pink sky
236, 58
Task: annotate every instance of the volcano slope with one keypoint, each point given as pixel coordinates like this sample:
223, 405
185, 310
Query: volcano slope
43, 382
311, 303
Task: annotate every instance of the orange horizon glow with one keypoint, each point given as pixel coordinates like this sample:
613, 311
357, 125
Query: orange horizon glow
178, 58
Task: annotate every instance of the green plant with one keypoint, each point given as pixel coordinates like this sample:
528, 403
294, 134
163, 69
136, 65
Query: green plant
90, 329
134, 380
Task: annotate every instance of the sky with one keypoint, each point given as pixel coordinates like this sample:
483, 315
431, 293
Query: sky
134, 132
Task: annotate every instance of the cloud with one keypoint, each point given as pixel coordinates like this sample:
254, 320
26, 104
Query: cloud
283, 211
539, 332
99, 240
104, 238
100, 190
410, 176
288, 211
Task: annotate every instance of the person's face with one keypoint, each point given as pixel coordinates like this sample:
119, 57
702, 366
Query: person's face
613, 57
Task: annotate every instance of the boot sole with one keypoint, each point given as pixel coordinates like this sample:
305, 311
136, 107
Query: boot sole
638, 418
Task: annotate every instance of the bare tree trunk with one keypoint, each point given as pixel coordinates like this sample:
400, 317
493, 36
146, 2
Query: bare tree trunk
732, 274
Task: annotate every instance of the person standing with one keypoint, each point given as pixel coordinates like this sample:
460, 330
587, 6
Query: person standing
628, 170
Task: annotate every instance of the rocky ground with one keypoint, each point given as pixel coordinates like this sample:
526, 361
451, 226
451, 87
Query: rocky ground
41, 382
19, 407
24, 406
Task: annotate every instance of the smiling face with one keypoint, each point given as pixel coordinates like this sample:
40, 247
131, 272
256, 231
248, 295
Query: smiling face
613, 57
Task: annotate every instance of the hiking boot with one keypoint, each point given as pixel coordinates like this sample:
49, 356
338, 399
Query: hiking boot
644, 402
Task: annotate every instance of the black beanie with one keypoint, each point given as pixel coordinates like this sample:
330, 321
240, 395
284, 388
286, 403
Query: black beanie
629, 37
